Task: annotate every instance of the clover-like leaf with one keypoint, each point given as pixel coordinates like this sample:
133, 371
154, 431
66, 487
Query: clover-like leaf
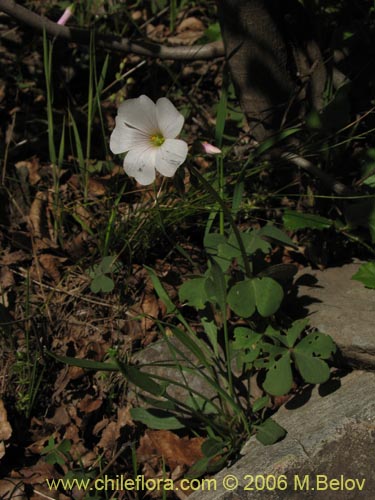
268, 295
309, 357
102, 283
193, 292
317, 344
279, 378
241, 298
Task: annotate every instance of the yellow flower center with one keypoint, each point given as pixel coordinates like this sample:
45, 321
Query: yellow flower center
157, 139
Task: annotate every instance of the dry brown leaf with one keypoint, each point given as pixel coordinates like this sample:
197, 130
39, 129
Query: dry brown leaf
6, 278
150, 307
65, 376
96, 187
109, 437
37, 227
89, 404
188, 31
157, 33
77, 247
60, 418
11, 489
14, 258
5, 427
174, 450
33, 167
50, 265
36, 474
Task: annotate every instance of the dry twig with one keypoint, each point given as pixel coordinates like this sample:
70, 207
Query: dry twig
111, 42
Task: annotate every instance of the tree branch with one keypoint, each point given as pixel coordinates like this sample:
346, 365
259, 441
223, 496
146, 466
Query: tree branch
336, 186
111, 42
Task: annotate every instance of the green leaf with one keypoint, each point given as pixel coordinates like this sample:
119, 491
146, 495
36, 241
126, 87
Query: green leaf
295, 331
268, 295
199, 468
212, 447
210, 329
109, 264
87, 364
216, 287
102, 283
212, 241
279, 378
212, 33
270, 432
366, 274
195, 346
298, 220
162, 294
313, 370
156, 419
142, 380
254, 242
260, 403
193, 292
317, 344
276, 235
245, 338
241, 298
309, 355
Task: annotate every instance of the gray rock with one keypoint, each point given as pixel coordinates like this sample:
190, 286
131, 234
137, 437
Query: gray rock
329, 452
344, 309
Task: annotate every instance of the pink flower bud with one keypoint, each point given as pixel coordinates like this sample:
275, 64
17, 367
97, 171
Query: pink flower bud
210, 149
66, 16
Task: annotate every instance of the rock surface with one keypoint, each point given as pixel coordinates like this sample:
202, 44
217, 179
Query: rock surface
344, 309
330, 437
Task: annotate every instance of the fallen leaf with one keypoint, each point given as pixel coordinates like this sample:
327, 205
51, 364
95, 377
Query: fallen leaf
11, 489
5, 427
150, 307
174, 450
188, 31
32, 167
60, 418
50, 265
6, 278
89, 404
14, 258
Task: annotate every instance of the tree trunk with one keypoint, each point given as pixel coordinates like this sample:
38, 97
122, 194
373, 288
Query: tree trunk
276, 64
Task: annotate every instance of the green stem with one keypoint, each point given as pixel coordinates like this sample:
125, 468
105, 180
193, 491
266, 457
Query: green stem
228, 214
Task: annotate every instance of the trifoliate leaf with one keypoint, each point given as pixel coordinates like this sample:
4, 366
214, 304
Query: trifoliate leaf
241, 298
268, 296
193, 292
279, 378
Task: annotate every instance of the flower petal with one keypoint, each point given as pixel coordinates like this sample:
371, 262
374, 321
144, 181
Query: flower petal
170, 155
140, 164
124, 138
170, 120
139, 113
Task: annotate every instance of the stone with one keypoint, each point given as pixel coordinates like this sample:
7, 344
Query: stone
344, 309
328, 453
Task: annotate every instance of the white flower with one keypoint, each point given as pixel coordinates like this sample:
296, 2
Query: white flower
147, 133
